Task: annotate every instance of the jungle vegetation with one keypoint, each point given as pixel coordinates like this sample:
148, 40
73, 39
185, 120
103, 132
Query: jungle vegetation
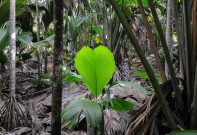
98, 67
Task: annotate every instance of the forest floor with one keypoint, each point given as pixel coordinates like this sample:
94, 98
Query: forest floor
36, 104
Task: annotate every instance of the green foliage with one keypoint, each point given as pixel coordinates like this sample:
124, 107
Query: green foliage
45, 79
5, 8
161, 53
97, 30
119, 105
73, 78
74, 24
36, 53
144, 3
3, 38
25, 38
184, 132
132, 2
96, 67
76, 108
142, 74
47, 41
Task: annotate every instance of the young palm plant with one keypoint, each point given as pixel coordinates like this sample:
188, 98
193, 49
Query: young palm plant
96, 68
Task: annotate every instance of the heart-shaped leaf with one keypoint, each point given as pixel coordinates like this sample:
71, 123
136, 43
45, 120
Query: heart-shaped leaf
96, 67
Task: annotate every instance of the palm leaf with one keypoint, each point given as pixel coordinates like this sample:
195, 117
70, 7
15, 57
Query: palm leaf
3, 38
5, 9
90, 109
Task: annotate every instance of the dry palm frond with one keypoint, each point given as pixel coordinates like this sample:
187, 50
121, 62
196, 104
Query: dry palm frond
12, 115
113, 124
143, 119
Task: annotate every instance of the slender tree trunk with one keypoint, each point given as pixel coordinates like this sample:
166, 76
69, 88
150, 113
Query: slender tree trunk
188, 50
45, 54
57, 68
12, 43
39, 52
168, 30
194, 43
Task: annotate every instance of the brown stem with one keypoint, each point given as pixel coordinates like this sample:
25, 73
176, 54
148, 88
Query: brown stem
152, 41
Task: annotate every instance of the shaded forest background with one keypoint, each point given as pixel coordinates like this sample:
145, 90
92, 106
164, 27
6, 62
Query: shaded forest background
153, 89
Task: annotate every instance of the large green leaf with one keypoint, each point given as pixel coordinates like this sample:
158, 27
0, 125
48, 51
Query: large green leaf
96, 67
45, 42
184, 132
90, 109
25, 38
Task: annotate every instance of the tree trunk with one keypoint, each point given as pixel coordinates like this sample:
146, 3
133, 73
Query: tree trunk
39, 52
57, 68
168, 31
12, 43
